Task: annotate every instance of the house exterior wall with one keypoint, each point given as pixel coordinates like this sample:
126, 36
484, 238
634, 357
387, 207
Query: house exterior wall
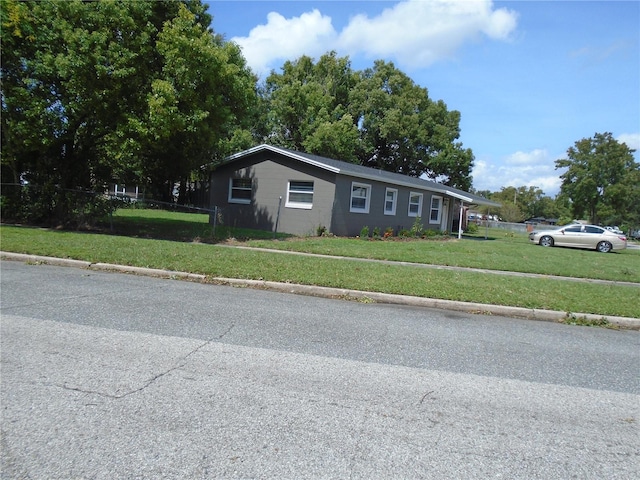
270, 175
348, 223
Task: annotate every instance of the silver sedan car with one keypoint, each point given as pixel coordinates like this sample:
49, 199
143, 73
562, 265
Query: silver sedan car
580, 236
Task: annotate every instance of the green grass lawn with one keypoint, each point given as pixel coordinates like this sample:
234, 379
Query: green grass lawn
502, 252
178, 226
185, 242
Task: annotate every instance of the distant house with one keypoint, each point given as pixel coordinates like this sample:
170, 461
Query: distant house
273, 188
124, 191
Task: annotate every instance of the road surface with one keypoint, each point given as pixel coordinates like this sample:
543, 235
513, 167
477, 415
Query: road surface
110, 376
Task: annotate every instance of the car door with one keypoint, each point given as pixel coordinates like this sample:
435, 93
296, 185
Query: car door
593, 236
571, 236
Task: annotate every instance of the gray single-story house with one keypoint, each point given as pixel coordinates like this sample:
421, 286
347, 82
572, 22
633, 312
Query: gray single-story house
276, 189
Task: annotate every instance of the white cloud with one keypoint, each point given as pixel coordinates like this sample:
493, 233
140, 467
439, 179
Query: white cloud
595, 55
418, 33
500, 24
632, 140
286, 39
550, 184
529, 169
534, 157
414, 33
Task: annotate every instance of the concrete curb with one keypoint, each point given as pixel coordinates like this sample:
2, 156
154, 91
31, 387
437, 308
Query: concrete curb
67, 262
327, 292
151, 272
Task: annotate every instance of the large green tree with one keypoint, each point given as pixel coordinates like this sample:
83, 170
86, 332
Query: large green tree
307, 107
601, 180
404, 131
96, 92
200, 97
377, 117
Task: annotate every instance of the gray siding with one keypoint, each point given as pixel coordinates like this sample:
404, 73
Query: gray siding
347, 223
270, 175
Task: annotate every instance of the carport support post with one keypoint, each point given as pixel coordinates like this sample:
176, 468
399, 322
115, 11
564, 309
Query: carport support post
460, 219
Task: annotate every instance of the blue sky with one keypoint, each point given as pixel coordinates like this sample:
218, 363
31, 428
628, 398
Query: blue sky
530, 78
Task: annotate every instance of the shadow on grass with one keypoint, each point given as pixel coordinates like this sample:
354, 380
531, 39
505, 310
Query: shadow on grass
179, 230
160, 229
477, 237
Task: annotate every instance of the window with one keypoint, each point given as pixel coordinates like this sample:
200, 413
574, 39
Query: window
360, 197
390, 199
590, 229
436, 209
299, 194
415, 204
240, 190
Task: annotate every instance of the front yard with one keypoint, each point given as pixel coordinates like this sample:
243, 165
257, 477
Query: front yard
185, 242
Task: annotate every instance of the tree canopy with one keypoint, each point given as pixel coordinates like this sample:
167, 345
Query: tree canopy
307, 107
377, 117
146, 92
601, 180
114, 91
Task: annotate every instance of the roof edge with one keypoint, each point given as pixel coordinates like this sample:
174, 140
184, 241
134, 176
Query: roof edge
281, 151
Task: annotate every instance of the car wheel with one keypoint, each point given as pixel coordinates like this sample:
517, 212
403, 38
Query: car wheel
604, 247
546, 241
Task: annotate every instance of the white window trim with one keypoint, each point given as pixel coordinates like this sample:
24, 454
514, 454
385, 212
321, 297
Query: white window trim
367, 198
419, 213
437, 221
302, 205
395, 201
244, 201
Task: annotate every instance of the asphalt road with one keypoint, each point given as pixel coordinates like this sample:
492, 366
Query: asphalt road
111, 376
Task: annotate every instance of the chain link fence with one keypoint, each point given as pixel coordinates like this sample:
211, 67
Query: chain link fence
73, 208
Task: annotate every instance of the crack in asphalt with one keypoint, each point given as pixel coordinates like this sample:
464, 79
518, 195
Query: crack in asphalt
227, 331
146, 384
